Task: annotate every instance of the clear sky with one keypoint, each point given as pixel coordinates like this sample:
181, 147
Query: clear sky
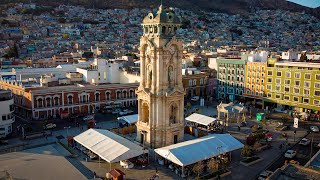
308, 3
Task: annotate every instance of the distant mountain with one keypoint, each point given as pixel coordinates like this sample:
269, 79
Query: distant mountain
226, 6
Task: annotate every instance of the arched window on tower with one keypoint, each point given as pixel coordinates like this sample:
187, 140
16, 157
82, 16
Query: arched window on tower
163, 30
173, 113
145, 113
155, 29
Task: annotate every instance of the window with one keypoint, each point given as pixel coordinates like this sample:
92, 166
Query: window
297, 83
297, 75
306, 91
296, 90
307, 76
307, 84
317, 93
201, 81
108, 95
269, 87
4, 117
11, 107
286, 89
278, 96
317, 84
262, 68
278, 81
317, 76
269, 80
69, 99
269, 73
269, 95
277, 88
287, 82
279, 73
190, 82
316, 102
194, 82
40, 102
286, 98
97, 97
56, 101
305, 100
288, 74
48, 102
296, 99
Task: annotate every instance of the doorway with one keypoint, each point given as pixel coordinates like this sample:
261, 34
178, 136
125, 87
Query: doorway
175, 139
142, 138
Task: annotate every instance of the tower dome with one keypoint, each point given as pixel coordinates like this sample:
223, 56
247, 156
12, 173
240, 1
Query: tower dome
161, 23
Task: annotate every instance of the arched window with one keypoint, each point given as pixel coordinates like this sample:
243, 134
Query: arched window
145, 113
173, 113
97, 97
84, 98
124, 94
48, 102
163, 29
40, 102
155, 29
131, 93
108, 95
194, 82
70, 99
118, 95
56, 101
190, 82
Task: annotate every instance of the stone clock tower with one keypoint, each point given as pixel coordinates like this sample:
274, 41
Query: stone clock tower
161, 93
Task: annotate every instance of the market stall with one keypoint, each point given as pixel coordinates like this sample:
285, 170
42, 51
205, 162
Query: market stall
109, 146
198, 122
193, 151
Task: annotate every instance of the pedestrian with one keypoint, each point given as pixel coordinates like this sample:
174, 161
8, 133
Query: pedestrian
94, 174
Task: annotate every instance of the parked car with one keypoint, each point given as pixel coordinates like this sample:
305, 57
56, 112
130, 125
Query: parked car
264, 175
314, 128
116, 111
92, 156
305, 142
125, 112
195, 98
49, 126
89, 117
290, 154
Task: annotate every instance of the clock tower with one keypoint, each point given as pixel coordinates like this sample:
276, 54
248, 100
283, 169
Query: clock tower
160, 94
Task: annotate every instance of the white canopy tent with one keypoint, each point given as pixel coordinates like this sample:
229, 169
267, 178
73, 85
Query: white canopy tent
108, 146
200, 119
189, 152
131, 119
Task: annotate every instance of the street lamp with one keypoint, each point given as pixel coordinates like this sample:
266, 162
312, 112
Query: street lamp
67, 128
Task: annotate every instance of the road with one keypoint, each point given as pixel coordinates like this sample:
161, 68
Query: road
304, 153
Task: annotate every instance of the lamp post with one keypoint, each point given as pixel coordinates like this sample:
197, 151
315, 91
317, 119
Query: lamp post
67, 129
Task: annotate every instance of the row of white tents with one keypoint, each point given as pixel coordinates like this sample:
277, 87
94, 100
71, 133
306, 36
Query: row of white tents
114, 148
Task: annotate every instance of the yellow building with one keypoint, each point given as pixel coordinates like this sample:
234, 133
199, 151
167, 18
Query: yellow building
294, 84
255, 81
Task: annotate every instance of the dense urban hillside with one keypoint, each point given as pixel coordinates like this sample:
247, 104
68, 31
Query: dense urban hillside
227, 6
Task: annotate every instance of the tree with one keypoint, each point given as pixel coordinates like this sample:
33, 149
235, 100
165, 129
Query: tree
213, 165
188, 106
246, 151
198, 168
303, 57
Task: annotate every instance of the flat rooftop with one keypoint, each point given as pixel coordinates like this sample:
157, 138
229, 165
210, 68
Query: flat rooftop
40, 163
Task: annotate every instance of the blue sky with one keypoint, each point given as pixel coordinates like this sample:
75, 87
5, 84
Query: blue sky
308, 3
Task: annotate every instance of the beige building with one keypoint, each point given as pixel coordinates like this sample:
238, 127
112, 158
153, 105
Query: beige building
161, 93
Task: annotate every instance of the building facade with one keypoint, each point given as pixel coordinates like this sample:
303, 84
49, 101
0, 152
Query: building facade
161, 93
231, 78
6, 113
41, 103
295, 84
255, 81
195, 84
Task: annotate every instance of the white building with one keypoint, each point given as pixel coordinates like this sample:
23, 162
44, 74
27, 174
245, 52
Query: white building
290, 55
6, 110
